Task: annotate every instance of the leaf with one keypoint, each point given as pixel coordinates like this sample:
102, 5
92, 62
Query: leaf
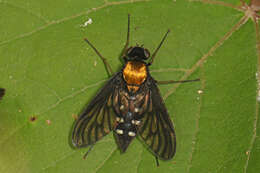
50, 74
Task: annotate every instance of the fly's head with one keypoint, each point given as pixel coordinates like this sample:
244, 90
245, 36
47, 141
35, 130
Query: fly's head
137, 54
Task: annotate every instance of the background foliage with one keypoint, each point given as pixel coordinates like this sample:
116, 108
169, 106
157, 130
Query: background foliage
50, 73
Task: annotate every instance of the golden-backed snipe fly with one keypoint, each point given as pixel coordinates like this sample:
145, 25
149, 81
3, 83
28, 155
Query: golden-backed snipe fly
129, 104
2, 92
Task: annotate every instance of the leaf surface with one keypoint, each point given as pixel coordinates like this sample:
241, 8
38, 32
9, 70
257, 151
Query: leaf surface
50, 74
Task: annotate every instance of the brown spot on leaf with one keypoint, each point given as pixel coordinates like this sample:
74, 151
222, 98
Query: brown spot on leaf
48, 122
2, 92
75, 116
33, 118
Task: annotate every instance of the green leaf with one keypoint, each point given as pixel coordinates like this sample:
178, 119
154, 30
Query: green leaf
50, 74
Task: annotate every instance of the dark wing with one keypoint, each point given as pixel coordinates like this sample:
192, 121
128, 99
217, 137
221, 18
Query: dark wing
157, 129
98, 119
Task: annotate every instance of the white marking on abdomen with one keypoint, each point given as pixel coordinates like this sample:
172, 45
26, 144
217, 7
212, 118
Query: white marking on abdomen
131, 133
119, 131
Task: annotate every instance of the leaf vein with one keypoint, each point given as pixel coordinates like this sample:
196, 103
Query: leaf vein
108, 4
242, 21
195, 136
106, 159
258, 95
53, 106
26, 10
222, 3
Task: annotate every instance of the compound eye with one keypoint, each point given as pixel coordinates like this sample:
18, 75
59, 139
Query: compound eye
129, 50
146, 53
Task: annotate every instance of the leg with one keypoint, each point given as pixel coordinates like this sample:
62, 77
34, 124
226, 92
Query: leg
174, 81
127, 37
156, 50
90, 148
108, 67
157, 161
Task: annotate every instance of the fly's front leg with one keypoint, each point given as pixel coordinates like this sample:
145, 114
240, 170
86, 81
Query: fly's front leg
157, 49
108, 67
127, 37
174, 81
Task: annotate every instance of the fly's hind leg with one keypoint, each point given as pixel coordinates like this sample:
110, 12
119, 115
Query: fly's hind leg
108, 67
157, 161
90, 148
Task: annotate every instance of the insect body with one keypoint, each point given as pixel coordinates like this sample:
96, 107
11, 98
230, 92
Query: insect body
129, 105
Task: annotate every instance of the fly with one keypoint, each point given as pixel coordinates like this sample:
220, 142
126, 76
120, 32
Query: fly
130, 105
